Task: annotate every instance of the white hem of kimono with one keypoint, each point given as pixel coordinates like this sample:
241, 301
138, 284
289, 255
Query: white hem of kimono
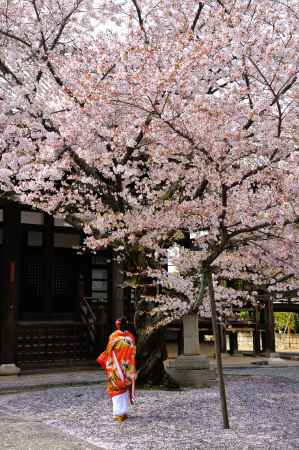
120, 404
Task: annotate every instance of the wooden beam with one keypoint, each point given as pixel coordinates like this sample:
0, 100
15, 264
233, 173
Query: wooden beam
10, 282
286, 307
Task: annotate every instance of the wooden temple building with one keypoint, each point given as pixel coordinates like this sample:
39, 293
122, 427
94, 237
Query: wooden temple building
57, 307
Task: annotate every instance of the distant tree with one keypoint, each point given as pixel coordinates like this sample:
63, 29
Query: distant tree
285, 322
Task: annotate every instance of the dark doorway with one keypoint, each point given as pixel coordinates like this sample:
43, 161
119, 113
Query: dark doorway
49, 279
65, 282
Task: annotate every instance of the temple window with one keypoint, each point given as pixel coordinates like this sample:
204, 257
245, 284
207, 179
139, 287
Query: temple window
32, 218
66, 240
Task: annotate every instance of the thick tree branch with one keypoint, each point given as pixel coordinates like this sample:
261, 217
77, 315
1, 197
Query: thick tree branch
140, 20
201, 189
16, 38
43, 39
7, 71
130, 150
198, 12
276, 96
284, 89
260, 227
183, 135
64, 24
89, 170
223, 6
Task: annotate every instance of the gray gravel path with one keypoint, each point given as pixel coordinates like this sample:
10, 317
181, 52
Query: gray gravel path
264, 414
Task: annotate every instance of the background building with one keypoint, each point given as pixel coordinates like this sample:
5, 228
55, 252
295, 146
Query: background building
48, 291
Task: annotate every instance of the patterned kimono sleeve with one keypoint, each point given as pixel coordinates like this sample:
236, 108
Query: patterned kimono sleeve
129, 365
102, 359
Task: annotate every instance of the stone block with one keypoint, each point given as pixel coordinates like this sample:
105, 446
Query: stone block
274, 355
169, 364
9, 369
276, 360
191, 370
193, 377
190, 326
192, 362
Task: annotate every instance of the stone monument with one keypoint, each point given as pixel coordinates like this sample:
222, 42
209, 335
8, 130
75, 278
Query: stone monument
191, 369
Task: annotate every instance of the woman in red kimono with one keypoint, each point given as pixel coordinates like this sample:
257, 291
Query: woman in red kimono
118, 361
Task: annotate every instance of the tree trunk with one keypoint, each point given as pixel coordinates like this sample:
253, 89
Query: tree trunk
151, 348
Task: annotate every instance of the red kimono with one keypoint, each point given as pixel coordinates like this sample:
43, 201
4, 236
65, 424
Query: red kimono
118, 361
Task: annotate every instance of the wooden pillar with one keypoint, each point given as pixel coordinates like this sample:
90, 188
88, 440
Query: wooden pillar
180, 340
233, 342
222, 334
48, 249
257, 331
10, 276
269, 335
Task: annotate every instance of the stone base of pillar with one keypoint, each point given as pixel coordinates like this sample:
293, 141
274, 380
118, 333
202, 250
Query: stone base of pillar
191, 371
274, 355
274, 358
9, 369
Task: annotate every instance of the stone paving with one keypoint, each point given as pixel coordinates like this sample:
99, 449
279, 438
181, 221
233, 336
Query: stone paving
263, 404
19, 383
25, 433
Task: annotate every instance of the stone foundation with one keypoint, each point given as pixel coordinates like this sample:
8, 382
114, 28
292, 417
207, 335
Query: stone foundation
191, 371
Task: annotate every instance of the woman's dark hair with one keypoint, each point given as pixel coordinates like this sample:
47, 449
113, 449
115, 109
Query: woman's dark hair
123, 323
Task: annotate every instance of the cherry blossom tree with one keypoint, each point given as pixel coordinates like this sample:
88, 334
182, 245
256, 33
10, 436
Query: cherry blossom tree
143, 122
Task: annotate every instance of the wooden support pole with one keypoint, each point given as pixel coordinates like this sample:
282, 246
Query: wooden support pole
233, 342
222, 334
257, 331
269, 327
218, 354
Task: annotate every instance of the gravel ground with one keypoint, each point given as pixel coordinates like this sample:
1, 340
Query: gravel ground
263, 406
